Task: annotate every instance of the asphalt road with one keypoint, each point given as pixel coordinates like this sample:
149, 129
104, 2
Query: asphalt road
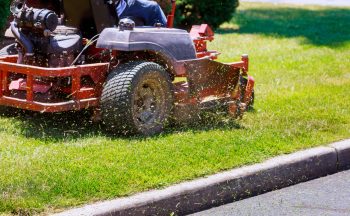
326, 196
337, 3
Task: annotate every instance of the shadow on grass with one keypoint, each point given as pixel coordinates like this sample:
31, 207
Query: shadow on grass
74, 125
324, 27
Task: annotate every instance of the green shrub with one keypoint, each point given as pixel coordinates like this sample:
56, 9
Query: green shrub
166, 5
192, 12
212, 12
4, 12
189, 12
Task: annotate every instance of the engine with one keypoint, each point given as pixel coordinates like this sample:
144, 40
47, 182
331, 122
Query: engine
41, 40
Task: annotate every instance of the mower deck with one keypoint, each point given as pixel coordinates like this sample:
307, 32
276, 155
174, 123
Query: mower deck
201, 89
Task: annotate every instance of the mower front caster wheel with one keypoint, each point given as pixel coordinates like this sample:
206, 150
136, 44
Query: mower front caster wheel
137, 99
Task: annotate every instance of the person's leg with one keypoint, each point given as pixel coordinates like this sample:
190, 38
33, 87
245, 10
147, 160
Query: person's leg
159, 16
148, 10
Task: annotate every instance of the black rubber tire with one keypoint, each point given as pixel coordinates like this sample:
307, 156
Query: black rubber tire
9, 50
243, 84
250, 105
118, 100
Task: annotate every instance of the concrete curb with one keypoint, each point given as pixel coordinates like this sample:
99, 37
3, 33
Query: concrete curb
215, 190
343, 152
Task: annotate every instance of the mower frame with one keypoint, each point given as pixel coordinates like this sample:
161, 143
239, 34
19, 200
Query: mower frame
82, 97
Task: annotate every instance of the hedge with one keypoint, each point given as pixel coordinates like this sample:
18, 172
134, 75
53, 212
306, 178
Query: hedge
4, 12
212, 12
189, 12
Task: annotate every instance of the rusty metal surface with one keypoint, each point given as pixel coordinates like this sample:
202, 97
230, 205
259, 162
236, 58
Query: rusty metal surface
205, 74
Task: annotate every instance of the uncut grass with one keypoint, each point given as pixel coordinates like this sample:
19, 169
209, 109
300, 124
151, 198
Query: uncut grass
300, 58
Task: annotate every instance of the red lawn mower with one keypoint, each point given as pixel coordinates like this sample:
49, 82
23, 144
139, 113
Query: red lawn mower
75, 56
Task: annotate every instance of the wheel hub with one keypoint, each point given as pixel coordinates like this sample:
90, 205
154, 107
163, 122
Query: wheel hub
146, 105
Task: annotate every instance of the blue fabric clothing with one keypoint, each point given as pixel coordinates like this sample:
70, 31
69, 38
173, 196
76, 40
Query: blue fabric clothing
149, 11
121, 7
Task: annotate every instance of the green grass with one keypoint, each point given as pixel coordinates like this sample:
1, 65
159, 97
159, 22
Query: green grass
300, 57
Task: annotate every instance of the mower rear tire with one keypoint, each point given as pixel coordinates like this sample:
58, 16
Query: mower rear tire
137, 99
250, 105
9, 50
243, 86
